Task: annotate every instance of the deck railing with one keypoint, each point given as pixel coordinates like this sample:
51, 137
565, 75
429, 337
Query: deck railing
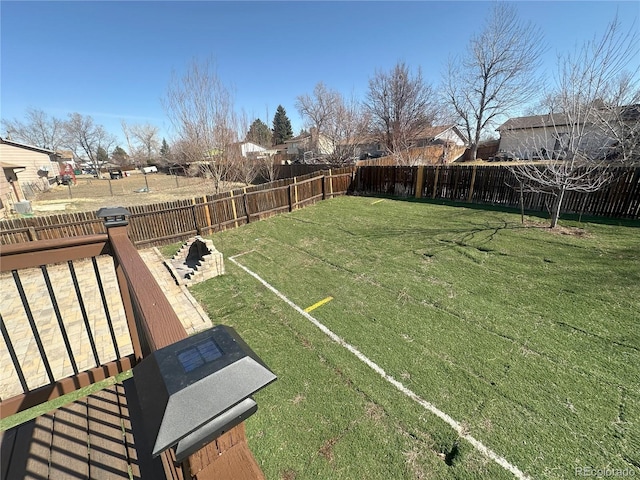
119, 315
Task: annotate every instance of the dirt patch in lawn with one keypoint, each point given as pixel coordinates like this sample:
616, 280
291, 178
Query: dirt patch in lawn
559, 230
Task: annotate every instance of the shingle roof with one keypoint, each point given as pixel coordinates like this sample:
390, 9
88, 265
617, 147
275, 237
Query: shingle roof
534, 121
26, 147
432, 132
428, 133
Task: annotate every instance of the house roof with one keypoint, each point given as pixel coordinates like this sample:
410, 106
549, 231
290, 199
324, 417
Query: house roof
65, 154
429, 133
298, 138
627, 112
534, 121
254, 144
27, 147
438, 131
280, 148
305, 136
433, 132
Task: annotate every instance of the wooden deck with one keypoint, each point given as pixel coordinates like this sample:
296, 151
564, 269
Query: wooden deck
90, 438
93, 437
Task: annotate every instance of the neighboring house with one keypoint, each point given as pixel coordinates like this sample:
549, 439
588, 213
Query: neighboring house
370, 146
535, 136
449, 134
548, 136
319, 145
250, 149
278, 153
27, 170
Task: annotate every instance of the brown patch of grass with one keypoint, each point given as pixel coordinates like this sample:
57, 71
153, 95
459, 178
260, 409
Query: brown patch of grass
289, 474
327, 449
571, 231
559, 230
298, 399
412, 458
487, 424
374, 412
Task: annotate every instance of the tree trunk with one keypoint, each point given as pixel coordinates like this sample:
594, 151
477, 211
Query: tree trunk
555, 211
474, 152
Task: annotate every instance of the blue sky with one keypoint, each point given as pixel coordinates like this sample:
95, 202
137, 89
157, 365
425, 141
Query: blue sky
114, 60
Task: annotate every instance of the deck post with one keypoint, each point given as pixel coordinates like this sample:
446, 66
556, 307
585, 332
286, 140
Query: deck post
118, 218
226, 457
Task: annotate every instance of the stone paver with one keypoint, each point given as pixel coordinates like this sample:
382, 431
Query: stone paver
13, 314
190, 313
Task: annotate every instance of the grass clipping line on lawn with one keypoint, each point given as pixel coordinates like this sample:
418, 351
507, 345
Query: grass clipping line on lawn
504, 463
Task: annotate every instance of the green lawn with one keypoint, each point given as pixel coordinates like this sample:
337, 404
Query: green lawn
530, 339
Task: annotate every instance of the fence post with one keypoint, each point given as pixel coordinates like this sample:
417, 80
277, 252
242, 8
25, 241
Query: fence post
207, 213
473, 181
233, 208
290, 198
419, 182
33, 235
246, 204
330, 184
324, 195
295, 190
435, 183
195, 217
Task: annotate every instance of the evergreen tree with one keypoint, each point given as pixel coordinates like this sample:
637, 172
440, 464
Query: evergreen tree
281, 126
259, 133
165, 152
120, 157
102, 156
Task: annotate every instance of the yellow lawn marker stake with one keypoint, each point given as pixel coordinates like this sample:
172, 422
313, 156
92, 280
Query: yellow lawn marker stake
377, 201
319, 304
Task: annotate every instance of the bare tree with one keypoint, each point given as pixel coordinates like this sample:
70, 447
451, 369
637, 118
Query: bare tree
247, 169
147, 137
135, 154
142, 141
400, 105
346, 131
267, 167
246, 164
201, 109
39, 130
594, 122
85, 139
496, 74
319, 109
336, 124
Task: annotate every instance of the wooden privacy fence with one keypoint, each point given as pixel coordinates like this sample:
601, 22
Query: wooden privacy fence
168, 222
497, 185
